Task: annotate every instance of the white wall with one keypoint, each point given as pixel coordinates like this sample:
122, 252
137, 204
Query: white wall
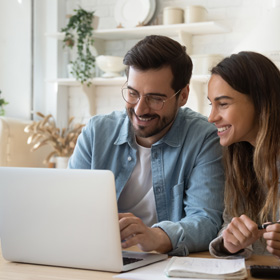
15, 57
241, 16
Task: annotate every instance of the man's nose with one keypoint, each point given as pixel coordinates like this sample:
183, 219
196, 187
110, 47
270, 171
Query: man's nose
141, 107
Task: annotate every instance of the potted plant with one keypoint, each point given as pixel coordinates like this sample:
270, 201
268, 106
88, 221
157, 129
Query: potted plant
45, 132
2, 104
79, 33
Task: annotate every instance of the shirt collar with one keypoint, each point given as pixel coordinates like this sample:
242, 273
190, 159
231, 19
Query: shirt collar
173, 137
126, 133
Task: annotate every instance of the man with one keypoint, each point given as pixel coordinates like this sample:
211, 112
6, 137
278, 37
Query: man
166, 159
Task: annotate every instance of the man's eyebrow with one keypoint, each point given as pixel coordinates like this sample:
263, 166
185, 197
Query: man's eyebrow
150, 93
132, 88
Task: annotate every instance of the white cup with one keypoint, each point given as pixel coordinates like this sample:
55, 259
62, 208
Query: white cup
173, 15
195, 14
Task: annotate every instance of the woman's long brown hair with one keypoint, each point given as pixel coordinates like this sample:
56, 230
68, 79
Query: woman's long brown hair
252, 172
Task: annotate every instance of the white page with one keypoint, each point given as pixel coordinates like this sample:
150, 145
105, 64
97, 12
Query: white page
153, 271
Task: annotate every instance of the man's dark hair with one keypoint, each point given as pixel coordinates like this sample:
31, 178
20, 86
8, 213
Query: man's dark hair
155, 52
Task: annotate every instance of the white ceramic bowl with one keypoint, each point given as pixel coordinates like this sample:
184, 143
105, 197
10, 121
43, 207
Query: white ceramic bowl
112, 66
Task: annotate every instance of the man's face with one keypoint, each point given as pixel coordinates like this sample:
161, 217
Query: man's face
150, 125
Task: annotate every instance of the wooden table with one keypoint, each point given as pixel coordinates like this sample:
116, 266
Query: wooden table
19, 271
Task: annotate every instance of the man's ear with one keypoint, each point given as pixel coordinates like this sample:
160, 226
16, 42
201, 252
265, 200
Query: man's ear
184, 95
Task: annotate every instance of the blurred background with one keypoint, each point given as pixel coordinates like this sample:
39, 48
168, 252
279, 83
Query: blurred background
34, 65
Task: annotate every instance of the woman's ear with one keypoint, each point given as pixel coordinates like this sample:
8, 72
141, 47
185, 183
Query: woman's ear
184, 95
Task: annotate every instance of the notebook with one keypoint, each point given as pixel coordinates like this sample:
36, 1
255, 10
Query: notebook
204, 268
63, 217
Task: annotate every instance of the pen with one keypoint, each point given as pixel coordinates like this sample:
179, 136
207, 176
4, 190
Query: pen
263, 226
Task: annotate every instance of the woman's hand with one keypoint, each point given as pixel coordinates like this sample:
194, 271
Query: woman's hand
240, 233
272, 237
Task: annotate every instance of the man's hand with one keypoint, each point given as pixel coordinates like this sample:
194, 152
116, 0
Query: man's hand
240, 233
135, 232
272, 237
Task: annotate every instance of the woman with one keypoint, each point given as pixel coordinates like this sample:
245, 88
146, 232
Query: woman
244, 91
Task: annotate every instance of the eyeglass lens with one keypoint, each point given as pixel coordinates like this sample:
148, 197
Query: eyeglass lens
133, 97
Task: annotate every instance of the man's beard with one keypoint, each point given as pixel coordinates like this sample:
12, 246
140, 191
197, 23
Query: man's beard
142, 131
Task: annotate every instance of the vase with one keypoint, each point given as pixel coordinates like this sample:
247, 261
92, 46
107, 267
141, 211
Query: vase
61, 162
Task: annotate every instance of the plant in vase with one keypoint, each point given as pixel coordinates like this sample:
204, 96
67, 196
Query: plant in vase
79, 33
45, 132
2, 104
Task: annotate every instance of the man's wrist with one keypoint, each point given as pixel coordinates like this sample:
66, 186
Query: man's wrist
163, 241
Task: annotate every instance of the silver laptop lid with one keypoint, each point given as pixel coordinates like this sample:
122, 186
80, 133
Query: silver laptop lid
46, 217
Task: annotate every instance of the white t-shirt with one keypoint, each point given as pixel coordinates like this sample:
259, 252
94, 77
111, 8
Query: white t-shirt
137, 196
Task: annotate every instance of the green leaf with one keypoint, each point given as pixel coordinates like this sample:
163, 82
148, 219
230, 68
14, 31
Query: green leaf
79, 32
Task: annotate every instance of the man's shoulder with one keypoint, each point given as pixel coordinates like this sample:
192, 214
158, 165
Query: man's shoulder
109, 124
191, 118
114, 118
190, 128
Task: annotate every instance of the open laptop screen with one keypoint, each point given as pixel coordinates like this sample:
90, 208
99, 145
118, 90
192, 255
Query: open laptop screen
61, 217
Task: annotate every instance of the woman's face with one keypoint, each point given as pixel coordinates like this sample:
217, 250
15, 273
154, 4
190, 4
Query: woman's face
232, 112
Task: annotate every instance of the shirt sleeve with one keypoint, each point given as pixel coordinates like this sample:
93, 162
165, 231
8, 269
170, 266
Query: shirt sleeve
217, 249
82, 156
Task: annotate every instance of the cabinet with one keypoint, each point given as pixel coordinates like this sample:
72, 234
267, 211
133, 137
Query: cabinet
183, 31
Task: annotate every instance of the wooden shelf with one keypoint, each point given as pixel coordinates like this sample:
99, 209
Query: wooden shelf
94, 81
197, 28
167, 30
114, 81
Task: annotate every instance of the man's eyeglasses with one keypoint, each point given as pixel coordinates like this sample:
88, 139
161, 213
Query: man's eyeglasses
153, 101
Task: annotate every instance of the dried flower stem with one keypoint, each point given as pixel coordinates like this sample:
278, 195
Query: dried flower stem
45, 132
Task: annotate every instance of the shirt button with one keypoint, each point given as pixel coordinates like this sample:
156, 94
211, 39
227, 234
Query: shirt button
129, 158
159, 189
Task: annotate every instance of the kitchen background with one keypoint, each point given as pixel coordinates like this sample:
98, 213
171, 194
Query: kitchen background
33, 63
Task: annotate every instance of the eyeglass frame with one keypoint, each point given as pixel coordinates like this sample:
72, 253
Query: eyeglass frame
147, 96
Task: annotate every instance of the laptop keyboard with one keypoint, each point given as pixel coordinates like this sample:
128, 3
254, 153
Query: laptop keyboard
127, 260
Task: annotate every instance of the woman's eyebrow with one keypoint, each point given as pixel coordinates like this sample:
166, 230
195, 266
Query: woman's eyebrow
222, 97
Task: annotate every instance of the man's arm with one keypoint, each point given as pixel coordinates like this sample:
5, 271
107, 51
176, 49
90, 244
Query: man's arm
202, 199
203, 207
81, 158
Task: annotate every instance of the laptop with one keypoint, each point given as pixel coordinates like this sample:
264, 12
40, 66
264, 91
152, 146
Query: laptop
63, 217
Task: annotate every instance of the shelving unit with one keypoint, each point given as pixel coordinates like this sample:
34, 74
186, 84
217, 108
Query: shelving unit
183, 31
94, 81
114, 81
167, 30
197, 28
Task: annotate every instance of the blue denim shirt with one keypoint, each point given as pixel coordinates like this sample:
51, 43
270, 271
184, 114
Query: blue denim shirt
187, 173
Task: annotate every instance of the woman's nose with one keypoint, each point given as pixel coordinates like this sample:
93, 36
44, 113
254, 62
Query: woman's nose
213, 116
